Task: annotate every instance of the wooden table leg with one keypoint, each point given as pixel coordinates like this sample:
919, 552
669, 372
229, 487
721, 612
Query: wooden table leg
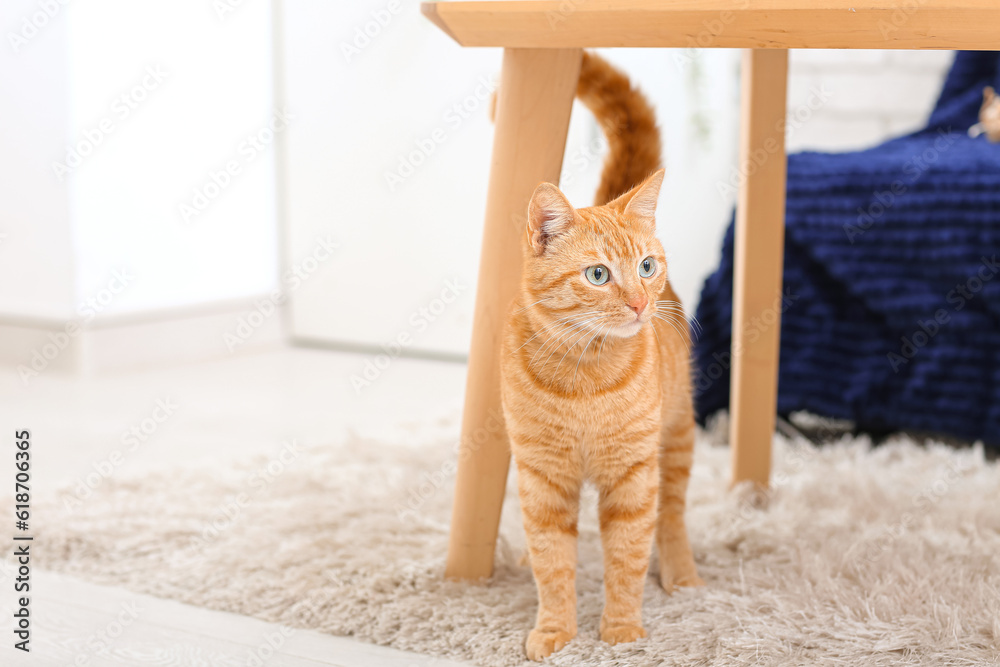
536, 93
757, 269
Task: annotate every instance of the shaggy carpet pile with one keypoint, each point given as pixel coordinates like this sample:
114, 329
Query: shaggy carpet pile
860, 555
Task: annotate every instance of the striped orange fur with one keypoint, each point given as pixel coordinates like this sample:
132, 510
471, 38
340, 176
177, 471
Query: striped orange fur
596, 384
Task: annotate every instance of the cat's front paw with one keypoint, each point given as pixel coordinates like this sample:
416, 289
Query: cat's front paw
543, 643
622, 634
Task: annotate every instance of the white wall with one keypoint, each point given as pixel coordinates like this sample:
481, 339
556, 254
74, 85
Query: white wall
148, 99
872, 95
37, 264
215, 92
360, 114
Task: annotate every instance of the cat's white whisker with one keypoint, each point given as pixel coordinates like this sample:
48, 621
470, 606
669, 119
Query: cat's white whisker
558, 335
577, 341
548, 298
697, 325
674, 326
559, 321
577, 369
672, 309
603, 340
655, 334
561, 336
584, 326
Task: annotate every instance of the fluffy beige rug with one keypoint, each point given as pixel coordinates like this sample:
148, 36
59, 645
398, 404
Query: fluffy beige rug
860, 556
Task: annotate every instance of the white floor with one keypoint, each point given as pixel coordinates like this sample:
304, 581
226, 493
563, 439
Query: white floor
242, 405
224, 409
76, 623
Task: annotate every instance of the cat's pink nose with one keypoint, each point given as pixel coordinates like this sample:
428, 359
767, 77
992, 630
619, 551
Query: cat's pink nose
638, 303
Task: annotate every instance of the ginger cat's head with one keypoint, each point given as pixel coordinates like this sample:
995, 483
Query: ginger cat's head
599, 269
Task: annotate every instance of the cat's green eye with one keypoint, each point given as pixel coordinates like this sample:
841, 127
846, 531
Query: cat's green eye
598, 274
647, 267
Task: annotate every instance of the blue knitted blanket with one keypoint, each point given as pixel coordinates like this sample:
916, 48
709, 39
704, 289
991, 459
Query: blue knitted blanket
891, 309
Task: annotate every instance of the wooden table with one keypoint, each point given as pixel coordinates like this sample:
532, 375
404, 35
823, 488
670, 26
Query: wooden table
542, 43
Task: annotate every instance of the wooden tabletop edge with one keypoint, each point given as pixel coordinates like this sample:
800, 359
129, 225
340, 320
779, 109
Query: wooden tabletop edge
430, 10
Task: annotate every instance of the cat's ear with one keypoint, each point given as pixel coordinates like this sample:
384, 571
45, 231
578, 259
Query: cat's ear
642, 203
549, 215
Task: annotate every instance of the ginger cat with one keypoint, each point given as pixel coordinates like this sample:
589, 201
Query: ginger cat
596, 382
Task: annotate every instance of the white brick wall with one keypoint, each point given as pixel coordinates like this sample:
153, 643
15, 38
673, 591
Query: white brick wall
871, 95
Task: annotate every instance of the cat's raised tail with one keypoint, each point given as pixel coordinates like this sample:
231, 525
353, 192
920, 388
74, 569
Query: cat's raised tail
628, 121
